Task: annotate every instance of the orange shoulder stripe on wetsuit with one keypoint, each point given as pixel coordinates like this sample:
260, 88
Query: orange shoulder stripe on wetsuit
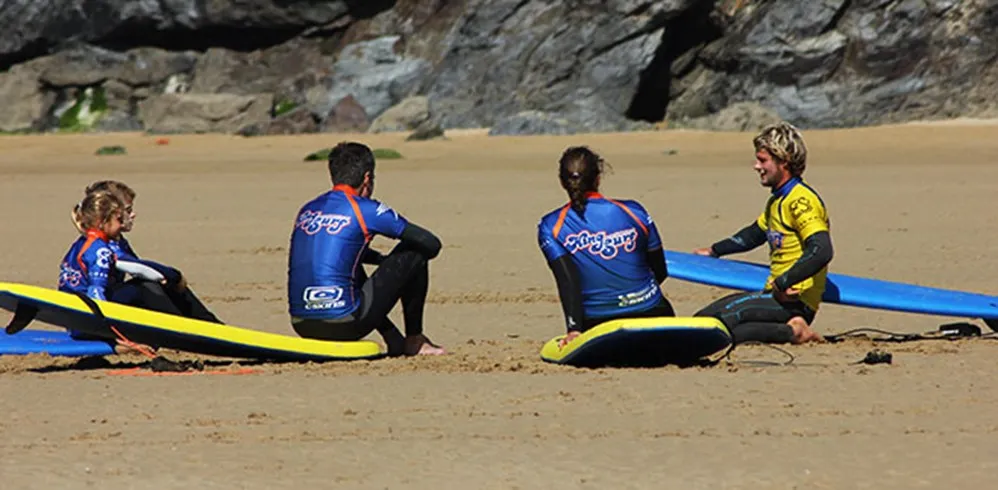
349, 192
561, 221
92, 236
631, 214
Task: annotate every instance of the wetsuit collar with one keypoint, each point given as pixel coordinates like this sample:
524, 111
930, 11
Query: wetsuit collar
784, 189
594, 195
346, 189
94, 233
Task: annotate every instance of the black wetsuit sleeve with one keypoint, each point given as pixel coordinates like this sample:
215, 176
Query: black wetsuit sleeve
372, 257
746, 239
817, 254
566, 274
656, 260
421, 239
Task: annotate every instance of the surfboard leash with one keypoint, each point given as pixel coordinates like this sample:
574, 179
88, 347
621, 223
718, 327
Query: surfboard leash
96, 311
727, 355
949, 331
158, 365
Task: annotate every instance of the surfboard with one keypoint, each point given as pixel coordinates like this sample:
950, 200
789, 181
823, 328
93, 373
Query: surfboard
641, 342
51, 342
162, 330
840, 289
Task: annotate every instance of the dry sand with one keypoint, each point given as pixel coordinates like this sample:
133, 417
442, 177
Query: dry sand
910, 203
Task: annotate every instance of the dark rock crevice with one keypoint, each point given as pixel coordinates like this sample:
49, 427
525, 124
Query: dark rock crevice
837, 18
233, 38
29, 52
365, 9
683, 37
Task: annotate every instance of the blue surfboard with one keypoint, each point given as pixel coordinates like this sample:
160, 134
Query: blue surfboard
51, 343
840, 288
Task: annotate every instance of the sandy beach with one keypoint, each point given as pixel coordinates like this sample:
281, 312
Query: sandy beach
911, 203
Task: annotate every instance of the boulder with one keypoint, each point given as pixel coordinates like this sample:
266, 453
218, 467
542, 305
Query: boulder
404, 116
25, 103
346, 116
204, 113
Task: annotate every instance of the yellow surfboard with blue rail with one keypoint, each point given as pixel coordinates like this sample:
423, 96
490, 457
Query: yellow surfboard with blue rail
642, 342
70, 311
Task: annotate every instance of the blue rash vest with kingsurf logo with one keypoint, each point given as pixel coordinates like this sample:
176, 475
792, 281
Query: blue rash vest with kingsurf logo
609, 244
331, 234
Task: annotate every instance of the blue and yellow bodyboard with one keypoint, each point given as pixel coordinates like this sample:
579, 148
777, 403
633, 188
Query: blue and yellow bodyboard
642, 342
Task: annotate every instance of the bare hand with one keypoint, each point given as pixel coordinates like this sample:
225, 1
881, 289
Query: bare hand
568, 338
181, 285
706, 252
787, 296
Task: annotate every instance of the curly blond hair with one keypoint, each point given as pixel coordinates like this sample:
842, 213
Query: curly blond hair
127, 194
785, 143
96, 209
124, 193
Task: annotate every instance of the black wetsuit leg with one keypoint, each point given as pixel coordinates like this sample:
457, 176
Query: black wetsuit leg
147, 295
757, 316
154, 296
191, 306
403, 275
662, 308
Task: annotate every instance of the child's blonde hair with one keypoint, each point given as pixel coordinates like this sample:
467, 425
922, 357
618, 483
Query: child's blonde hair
785, 143
96, 209
124, 193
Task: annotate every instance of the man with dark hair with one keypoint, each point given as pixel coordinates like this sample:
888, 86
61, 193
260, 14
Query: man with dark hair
330, 296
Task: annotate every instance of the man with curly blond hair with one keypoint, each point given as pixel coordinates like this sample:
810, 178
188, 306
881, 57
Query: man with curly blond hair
796, 226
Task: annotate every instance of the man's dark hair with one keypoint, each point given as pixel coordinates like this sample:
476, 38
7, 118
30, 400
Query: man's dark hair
348, 161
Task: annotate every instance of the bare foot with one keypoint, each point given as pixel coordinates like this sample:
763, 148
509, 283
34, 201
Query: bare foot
420, 345
803, 333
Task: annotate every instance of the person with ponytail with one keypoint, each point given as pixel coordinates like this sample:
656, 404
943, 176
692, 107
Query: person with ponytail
606, 255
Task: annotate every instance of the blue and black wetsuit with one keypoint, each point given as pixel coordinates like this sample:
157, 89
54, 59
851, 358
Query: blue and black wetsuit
607, 261
330, 296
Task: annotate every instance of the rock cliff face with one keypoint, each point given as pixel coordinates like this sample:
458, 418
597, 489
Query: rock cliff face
517, 66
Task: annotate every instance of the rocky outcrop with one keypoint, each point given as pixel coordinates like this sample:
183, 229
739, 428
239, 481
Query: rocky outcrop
375, 75
579, 61
517, 66
833, 63
32, 27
